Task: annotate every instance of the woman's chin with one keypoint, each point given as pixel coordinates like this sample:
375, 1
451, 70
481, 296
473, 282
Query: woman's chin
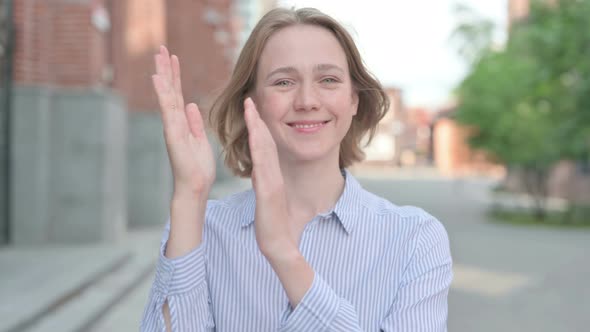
312, 156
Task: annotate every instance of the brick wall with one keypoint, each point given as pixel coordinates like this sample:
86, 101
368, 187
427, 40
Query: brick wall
56, 44
454, 156
138, 29
451, 151
200, 33
141, 26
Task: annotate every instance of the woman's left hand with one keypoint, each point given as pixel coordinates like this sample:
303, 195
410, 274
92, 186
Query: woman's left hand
272, 218
272, 221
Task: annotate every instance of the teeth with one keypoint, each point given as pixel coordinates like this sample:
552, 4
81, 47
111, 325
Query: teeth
307, 125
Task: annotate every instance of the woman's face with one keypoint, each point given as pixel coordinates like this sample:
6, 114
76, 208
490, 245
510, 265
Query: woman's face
304, 93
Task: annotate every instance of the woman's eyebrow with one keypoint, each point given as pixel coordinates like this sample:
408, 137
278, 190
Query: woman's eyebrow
327, 66
293, 70
285, 70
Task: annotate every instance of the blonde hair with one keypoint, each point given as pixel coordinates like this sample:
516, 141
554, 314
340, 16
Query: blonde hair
227, 113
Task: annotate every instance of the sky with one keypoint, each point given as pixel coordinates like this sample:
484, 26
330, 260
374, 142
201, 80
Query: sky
406, 43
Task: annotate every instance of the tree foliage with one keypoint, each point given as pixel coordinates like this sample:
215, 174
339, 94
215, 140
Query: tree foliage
530, 102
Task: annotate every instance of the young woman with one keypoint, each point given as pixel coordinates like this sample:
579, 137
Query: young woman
307, 249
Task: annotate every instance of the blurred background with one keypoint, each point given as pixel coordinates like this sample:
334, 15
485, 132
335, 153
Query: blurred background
489, 130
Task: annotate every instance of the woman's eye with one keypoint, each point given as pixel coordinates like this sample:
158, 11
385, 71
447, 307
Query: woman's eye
329, 80
283, 83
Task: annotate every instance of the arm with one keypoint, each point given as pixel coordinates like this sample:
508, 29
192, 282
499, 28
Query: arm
321, 309
421, 302
317, 307
272, 219
181, 285
180, 281
185, 236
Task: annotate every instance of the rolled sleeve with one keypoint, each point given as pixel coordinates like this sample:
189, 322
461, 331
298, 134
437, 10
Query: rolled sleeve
181, 274
182, 282
320, 309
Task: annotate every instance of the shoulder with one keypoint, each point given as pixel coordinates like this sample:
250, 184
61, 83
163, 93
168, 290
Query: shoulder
380, 214
419, 234
378, 206
407, 221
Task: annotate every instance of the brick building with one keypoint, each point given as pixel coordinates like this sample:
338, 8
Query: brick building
451, 151
87, 153
386, 146
420, 127
519, 9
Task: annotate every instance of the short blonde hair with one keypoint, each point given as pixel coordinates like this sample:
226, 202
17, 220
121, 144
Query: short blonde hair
227, 113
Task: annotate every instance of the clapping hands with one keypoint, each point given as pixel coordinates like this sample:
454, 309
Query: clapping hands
193, 164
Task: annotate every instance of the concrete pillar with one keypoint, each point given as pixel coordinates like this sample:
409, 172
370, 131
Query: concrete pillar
69, 166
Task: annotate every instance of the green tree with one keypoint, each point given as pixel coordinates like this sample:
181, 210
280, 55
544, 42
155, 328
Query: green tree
530, 102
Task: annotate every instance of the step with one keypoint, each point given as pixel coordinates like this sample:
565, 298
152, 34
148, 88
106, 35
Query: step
36, 280
92, 303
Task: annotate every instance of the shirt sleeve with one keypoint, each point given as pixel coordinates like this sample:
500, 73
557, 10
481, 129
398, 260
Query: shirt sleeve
320, 309
182, 282
421, 302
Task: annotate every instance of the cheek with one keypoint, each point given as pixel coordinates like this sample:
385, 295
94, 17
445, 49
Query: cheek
344, 104
341, 99
272, 105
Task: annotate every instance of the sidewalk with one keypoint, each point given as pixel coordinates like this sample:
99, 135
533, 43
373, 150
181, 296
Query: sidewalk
72, 287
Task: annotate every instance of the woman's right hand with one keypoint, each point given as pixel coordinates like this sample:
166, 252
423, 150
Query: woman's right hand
189, 151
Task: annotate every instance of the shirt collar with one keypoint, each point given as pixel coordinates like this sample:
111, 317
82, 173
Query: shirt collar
346, 209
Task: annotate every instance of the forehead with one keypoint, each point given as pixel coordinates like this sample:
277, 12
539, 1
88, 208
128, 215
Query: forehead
302, 46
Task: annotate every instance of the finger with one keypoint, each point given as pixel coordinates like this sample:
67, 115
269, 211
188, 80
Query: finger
159, 61
262, 149
165, 61
195, 120
176, 82
253, 178
254, 140
161, 72
165, 110
165, 98
261, 139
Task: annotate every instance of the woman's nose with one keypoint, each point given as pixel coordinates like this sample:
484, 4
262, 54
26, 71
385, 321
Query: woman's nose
307, 98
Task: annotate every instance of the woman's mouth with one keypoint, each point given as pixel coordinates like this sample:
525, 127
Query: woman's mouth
308, 126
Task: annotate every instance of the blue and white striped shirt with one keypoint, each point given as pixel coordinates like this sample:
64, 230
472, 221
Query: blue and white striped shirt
378, 267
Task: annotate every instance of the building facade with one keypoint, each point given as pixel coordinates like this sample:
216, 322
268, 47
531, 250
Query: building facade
385, 147
87, 155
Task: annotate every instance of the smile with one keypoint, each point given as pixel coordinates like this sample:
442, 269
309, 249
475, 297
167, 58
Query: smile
308, 126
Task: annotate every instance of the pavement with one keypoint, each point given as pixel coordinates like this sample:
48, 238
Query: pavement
507, 278
90, 287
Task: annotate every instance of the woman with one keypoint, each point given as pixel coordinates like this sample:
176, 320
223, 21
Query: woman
308, 249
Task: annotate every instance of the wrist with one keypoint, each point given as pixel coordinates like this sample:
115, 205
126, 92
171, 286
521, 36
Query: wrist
283, 256
190, 194
294, 273
187, 220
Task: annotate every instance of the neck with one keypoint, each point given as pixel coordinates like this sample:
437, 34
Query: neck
312, 188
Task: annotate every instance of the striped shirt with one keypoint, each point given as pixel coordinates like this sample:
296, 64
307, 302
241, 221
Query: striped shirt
377, 267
